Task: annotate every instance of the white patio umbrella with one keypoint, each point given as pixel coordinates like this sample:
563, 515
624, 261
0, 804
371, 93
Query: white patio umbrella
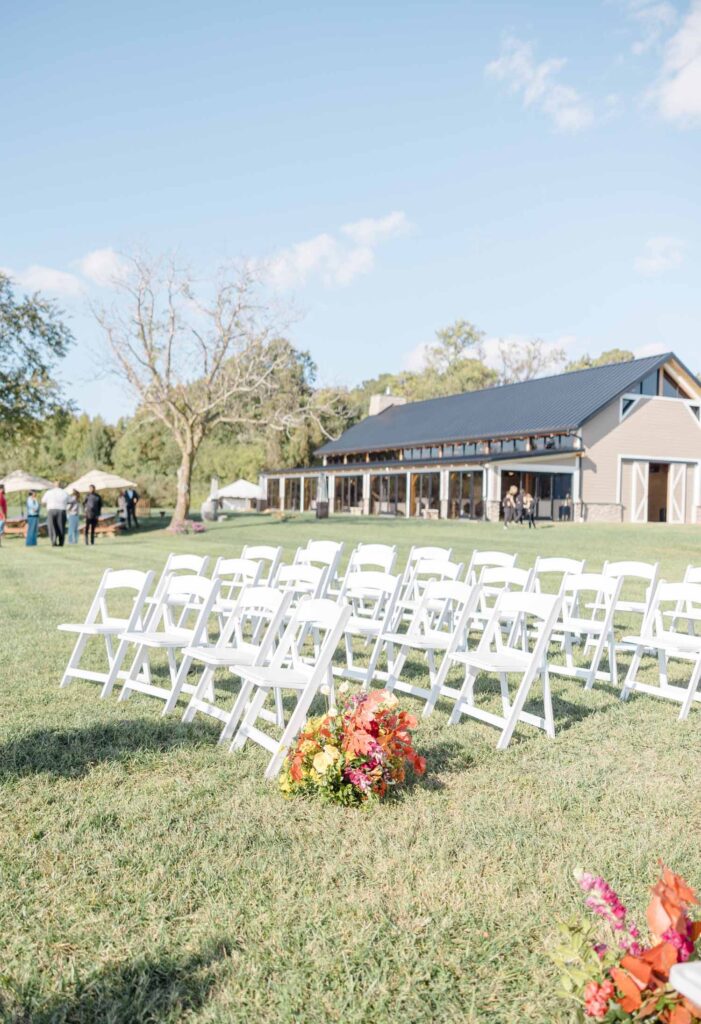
241, 489
21, 481
103, 481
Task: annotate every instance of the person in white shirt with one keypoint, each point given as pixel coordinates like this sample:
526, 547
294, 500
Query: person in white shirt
56, 501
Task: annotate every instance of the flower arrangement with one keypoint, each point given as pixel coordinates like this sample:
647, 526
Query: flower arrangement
355, 756
617, 976
185, 526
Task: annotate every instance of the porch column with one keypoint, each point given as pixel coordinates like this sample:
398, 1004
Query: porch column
444, 490
282, 492
301, 493
366, 494
493, 503
408, 495
332, 492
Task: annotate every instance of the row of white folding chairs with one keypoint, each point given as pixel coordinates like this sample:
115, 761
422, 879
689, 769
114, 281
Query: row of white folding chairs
174, 636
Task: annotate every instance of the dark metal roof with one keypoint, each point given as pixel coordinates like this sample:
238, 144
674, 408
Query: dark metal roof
545, 405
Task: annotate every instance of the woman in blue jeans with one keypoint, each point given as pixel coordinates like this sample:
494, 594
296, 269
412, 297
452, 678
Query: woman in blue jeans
73, 513
32, 520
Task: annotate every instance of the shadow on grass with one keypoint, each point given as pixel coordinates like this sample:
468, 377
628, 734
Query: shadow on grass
71, 753
149, 989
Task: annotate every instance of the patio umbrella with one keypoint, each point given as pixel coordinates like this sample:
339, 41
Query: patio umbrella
21, 481
103, 481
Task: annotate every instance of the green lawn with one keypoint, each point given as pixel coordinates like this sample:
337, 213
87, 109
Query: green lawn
149, 876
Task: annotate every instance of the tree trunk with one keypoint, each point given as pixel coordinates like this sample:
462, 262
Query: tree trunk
182, 504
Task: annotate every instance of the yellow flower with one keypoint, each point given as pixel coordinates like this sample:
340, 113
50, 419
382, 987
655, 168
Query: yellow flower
333, 752
322, 761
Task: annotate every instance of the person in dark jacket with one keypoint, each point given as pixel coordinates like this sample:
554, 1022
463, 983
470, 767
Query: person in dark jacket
131, 496
93, 508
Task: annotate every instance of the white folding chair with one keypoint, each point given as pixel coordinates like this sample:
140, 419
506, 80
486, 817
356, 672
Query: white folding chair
555, 569
595, 629
494, 657
179, 565
100, 622
631, 572
420, 553
372, 598
668, 644
480, 560
301, 581
493, 581
686, 612
266, 553
235, 646
290, 670
367, 558
424, 572
164, 633
325, 554
234, 574
440, 625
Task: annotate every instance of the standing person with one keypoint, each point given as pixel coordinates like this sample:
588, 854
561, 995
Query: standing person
518, 502
529, 509
56, 500
3, 510
509, 506
131, 496
73, 511
93, 508
122, 507
32, 520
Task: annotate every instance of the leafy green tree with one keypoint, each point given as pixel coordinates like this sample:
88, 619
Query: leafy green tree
33, 338
612, 355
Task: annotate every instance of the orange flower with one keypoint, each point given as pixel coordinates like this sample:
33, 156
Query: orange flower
671, 897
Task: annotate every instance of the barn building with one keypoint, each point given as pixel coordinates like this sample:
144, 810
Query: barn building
615, 443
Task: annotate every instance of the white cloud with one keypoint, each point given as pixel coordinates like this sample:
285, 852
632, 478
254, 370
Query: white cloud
653, 18
372, 230
335, 260
659, 255
415, 359
103, 267
653, 348
677, 94
536, 83
36, 278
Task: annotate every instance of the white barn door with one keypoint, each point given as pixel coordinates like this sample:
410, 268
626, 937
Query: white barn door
640, 480
676, 492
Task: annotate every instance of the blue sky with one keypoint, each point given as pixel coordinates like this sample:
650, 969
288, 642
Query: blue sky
531, 167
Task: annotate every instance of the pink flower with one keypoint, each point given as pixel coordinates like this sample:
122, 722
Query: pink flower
597, 998
682, 943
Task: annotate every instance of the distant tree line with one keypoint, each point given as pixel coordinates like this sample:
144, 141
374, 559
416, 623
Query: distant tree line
219, 389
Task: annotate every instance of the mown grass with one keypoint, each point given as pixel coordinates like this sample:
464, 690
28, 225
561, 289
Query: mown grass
147, 875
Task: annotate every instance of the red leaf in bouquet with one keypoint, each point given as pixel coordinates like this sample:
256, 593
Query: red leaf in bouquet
695, 930
670, 898
679, 1015
630, 1000
661, 958
358, 742
639, 969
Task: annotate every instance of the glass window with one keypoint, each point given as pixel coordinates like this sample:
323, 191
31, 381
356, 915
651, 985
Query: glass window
388, 494
425, 493
293, 492
348, 493
670, 389
648, 386
465, 495
273, 496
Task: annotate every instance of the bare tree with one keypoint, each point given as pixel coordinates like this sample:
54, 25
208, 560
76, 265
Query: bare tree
199, 355
523, 360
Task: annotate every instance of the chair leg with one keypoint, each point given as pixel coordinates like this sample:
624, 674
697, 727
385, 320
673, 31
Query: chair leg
114, 669
465, 697
297, 720
516, 709
691, 690
199, 694
250, 716
178, 682
629, 684
74, 660
548, 702
133, 675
